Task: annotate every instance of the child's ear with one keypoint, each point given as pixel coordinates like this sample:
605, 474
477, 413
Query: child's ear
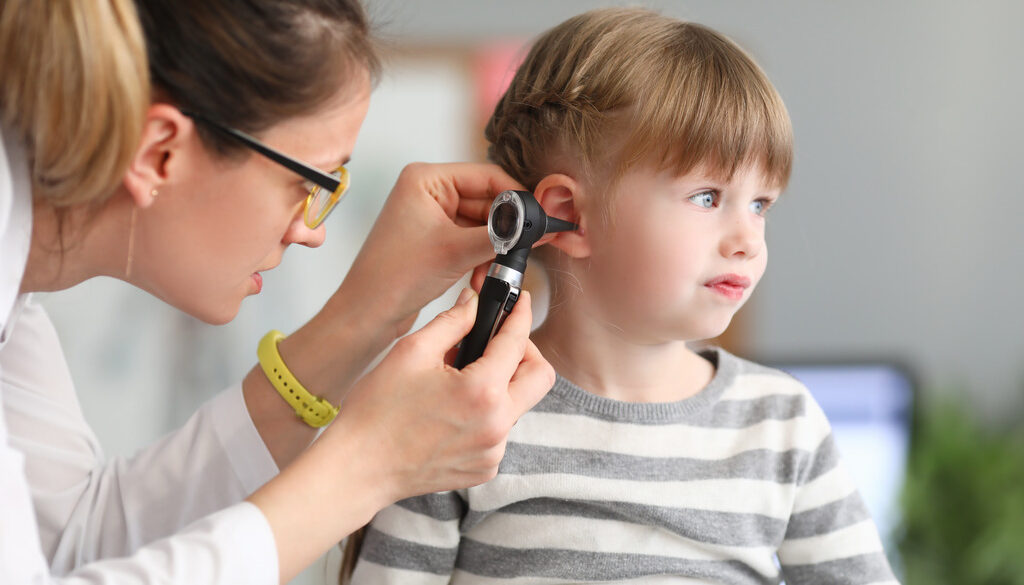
562, 196
162, 136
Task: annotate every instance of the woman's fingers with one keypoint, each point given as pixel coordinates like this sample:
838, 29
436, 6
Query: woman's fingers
452, 183
475, 209
532, 380
505, 350
432, 427
468, 246
476, 280
420, 245
429, 426
532, 376
444, 331
476, 181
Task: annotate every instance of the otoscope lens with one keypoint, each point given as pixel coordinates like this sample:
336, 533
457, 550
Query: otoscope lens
504, 220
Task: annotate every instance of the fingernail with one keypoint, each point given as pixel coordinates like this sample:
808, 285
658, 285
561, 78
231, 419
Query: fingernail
464, 296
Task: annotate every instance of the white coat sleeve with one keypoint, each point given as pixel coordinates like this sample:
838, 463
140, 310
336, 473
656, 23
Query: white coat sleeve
89, 509
234, 545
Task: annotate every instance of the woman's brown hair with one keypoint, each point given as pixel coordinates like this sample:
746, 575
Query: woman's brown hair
249, 65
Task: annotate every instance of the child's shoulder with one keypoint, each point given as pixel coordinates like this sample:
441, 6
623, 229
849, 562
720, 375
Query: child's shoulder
775, 393
746, 376
741, 393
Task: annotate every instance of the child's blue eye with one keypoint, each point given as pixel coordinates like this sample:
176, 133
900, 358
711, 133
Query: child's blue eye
705, 199
761, 206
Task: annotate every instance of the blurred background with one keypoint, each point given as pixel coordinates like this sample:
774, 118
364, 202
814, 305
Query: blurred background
895, 277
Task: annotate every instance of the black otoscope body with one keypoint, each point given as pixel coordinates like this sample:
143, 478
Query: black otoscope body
515, 223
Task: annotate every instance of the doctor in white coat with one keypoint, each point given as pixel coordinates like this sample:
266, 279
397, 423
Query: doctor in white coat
181, 147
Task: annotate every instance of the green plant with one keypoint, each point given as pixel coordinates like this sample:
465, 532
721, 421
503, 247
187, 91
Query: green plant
963, 502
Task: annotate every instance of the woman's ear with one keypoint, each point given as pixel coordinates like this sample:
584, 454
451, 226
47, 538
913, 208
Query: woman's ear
562, 196
162, 138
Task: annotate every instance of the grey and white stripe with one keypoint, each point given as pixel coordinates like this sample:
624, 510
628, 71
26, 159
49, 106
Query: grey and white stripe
724, 487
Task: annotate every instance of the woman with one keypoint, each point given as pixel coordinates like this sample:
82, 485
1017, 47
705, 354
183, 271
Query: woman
189, 189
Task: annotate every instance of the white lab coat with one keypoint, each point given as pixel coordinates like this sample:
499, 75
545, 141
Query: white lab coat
173, 513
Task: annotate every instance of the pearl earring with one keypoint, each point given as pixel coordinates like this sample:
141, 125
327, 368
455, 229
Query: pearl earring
154, 193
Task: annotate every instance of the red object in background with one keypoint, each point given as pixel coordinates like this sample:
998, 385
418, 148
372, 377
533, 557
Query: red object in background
494, 64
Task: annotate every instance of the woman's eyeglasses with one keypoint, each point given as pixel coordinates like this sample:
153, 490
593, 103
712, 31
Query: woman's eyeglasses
325, 189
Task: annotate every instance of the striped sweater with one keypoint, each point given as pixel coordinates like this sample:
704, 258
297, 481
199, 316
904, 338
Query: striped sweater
740, 483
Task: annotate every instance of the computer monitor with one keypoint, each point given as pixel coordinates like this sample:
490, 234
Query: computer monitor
869, 408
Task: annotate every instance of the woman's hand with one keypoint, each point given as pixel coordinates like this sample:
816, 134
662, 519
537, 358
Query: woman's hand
428, 235
432, 427
413, 425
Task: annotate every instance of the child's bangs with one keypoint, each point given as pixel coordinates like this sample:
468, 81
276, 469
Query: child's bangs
718, 112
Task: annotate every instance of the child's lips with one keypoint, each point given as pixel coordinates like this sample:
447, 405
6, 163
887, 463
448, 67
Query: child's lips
731, 286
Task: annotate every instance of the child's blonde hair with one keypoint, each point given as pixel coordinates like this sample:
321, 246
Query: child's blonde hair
615, 87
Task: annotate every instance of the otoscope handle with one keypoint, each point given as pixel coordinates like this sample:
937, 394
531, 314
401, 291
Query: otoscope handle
497, 297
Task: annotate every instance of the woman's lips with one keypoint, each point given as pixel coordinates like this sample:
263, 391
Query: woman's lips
731, 286
257, 277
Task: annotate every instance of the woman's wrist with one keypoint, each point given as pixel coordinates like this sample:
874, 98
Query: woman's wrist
327, 356
330, 352
379, 307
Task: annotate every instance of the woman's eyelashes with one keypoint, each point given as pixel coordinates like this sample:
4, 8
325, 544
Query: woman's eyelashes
306, 187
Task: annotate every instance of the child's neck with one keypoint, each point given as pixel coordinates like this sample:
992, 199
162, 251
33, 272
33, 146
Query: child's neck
600, 359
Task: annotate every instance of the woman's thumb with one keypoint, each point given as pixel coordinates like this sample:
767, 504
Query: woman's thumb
472, 245
449, 327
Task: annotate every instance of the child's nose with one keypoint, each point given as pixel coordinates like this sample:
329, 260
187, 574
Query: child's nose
744, 239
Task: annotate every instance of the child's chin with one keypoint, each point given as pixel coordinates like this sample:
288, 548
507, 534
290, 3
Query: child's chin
711, 331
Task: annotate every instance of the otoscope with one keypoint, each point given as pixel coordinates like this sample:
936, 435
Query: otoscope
515, 223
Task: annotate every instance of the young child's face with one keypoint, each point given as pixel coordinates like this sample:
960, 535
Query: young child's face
681, 254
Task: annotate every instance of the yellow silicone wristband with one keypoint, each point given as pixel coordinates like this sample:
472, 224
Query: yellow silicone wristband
313, 410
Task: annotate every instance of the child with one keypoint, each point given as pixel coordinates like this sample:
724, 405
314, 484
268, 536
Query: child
648, 460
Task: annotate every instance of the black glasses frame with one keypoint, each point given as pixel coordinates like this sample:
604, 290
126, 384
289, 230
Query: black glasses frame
308, 172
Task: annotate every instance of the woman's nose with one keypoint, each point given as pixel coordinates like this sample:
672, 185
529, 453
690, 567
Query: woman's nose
300, 233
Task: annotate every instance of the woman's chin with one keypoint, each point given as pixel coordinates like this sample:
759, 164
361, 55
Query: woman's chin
215, 314
220, 319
